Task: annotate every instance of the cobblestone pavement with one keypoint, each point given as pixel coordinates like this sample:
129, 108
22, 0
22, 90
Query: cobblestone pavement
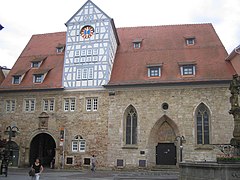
49, 174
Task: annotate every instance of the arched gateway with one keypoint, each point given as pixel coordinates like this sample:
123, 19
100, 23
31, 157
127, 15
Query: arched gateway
161, 144
43, 147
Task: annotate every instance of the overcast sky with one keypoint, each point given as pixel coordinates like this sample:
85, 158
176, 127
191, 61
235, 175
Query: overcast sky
23, 18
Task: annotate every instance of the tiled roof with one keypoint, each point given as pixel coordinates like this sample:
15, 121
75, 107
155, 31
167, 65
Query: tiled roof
41, 47
160, 45
166, 45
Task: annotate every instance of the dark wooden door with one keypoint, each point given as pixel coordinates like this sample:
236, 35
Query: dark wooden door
166, 154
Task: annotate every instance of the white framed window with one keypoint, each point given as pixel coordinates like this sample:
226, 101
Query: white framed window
90, 73
82, 145
95, 58
83, 59
190, 41
188, 70
79, 74
48, 105
154, 71
36, 64
137, 45
10, 105
29, 105
83, 52
69, 104
77, 53
78, 144
76, 60
38, 78
74, 146
16, 79
95, 52
89, 52
91, 104
84, 73
59, 49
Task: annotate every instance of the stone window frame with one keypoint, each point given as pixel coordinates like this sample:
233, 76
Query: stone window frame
78, 144
203, 107
92, 104
29, 105
48, 104
133, 144
10, 105
69, 104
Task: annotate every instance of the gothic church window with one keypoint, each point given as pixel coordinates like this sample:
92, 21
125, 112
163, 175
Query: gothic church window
131, 126
202, 124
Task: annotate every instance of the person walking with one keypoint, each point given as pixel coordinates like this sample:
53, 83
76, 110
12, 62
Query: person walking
38, 168
93, 163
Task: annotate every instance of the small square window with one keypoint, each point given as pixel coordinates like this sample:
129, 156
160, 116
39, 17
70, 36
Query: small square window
188, 70
119, 162
137, 45
69, 160
77, 53
86, 161
36, 64
154, 72
38, 78
16, 79
60, 49
190, 41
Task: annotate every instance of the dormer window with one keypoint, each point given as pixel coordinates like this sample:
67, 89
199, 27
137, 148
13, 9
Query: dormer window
36, 64
60, 48
137, 43
154, 70
18, 76
39, 75
16, 79
187, 69
38, 78
190, 41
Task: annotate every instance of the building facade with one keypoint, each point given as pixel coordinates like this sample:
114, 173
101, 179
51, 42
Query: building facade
137, 97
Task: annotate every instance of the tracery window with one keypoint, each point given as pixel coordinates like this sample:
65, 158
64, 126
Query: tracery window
202, 124
131, 126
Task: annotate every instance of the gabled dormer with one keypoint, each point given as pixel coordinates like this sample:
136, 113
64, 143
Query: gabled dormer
91, 44
39, 75
36, 63
18, 76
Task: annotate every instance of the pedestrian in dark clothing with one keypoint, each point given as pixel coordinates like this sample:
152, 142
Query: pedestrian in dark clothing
38, 168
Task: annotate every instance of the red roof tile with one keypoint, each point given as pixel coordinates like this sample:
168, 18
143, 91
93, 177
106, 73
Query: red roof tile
160, 45
166, 45
41, 47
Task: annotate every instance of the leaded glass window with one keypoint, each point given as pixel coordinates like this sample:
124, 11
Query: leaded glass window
131, 126
202, 118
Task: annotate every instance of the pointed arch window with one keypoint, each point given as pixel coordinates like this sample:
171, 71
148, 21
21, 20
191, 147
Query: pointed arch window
202, 124
131, 126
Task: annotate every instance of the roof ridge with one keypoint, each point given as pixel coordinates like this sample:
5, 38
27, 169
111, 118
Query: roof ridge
167, 25
48, 34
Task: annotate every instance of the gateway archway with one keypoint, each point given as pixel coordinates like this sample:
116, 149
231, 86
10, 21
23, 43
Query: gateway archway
43, 147
161, 144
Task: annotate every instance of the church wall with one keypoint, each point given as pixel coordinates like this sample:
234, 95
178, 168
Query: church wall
182, 104
104, 130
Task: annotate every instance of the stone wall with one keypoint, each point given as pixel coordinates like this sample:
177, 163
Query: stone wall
104, 129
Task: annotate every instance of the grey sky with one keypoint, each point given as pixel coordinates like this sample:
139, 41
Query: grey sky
24, 18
